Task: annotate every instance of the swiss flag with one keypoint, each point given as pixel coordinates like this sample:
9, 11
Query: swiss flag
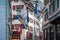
19, 29
28, 34
41, 35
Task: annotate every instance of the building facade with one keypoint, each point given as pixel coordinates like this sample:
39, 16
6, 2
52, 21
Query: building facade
38, 5
37, 29
34, 21
18, 15
51, 28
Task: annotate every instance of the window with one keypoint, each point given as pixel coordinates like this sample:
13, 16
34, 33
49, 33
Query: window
37, 23
31, 20
49, 10
30, 28
31, 13
9, 19
57, 3
53, 7
19, 7
14, 7
45, 34
58, 32
45, 31
58, 28
14, 16
52, 33
52, 29
46, 16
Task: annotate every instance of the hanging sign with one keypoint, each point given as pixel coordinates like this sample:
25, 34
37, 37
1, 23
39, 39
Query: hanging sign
19, 29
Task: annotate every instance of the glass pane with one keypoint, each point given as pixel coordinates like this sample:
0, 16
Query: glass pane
57, 3
58, 32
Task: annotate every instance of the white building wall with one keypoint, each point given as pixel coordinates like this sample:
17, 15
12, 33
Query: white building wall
31, 24
23, 13
15, 3
37, 27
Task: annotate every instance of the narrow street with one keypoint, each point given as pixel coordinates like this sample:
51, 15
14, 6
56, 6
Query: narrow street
29, 19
